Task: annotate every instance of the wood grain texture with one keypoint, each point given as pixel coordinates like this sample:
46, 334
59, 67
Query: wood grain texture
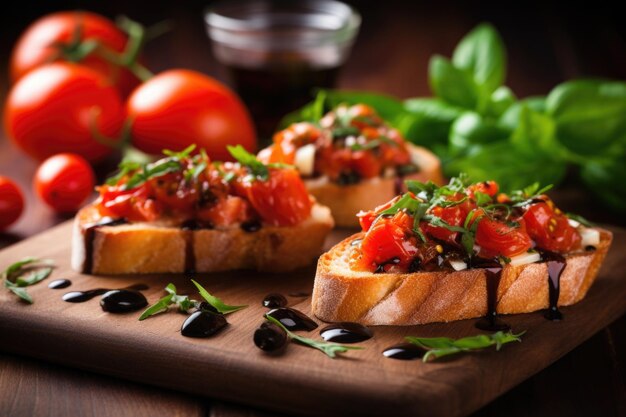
49, 390
302, 381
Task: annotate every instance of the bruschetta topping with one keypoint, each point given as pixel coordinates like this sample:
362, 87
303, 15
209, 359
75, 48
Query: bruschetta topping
432, 227
348, 144
185, 186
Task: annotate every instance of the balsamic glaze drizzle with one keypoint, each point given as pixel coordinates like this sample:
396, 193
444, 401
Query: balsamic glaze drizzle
346, 332
58, 284
556, 264
274, 300
89, 236
493, 274
292, 319
404, 351
82, 296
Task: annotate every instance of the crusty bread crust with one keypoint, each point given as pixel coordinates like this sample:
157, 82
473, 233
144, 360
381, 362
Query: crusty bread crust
142, 248
345, 201
340, 294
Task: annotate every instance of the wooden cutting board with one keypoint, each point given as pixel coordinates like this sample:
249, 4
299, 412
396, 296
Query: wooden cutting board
300, 381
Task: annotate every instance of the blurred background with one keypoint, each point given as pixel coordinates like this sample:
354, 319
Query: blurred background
547, 42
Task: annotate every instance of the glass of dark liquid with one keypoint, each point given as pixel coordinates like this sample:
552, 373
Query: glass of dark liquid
278, 52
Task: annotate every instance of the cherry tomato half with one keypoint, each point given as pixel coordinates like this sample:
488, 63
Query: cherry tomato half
178, 108
551, 230
39, 45
498, 238
64, 182
56, 108
11, 202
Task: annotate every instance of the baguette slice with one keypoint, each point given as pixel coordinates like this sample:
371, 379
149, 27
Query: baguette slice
341, 294
345, 201
142, 248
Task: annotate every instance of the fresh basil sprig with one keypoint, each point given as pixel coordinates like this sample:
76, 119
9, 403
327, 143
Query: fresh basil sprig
26, 272
257, 168
184, 303
438, 347
329, 348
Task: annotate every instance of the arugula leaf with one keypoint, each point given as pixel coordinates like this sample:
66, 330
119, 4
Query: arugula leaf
257, 168
451, 84
158, 307
437, 347
216, 302
329, 348
24, 273
481, 52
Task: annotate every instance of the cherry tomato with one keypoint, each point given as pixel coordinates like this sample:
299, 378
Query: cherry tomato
38, 45
453, 215
498, 238
11, 202
551, 229
282, 200
57, 107
178, 108
64, 182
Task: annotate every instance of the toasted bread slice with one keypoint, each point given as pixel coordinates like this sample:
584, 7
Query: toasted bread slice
341, 294
345, 201
140, 248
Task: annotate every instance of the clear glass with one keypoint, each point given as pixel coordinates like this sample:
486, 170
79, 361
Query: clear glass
278, 51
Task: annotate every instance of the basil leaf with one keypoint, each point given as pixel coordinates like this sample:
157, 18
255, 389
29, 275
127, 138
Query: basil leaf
451, 84
248, 160
589, 115
428, 120
472, 129
387, 107
606, 180
512, 170
482, 198
216, 302
481, 52
500, 101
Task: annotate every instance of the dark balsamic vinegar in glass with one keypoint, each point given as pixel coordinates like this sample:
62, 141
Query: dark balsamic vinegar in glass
273, 91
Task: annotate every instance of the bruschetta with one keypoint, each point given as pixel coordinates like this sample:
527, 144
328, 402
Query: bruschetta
438, 254
351, 160
185, 213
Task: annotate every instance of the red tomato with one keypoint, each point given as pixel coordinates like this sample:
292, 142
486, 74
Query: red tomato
486, 187
54, 109
282, 200
132, 204
11, 202
64, 182
454, 216
178, 108
365, 164
386, 240
37, 45
550, 230
498, 238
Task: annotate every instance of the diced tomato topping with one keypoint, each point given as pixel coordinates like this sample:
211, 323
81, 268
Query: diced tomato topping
134, 204
499, 238
486, 187
282, 200
386, 242
550, 228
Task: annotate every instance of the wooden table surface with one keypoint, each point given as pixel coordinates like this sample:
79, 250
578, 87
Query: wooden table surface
546, 43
